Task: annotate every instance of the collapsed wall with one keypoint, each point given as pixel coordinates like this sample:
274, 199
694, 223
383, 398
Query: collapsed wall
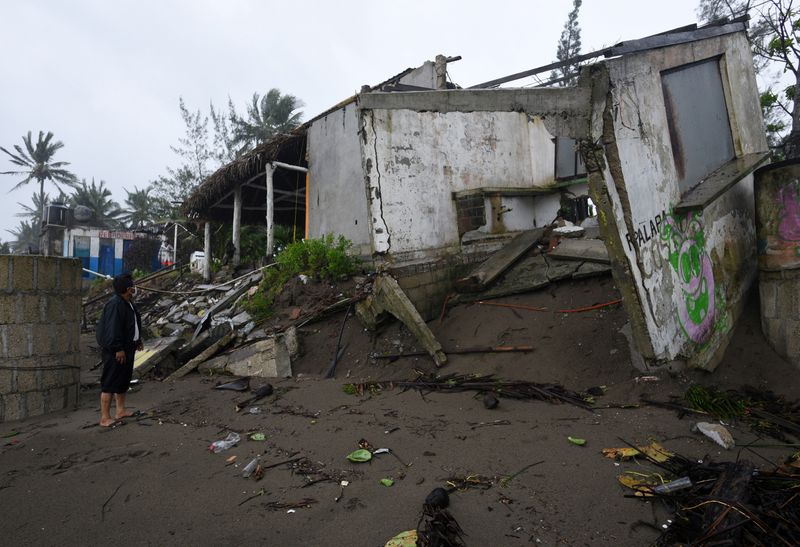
40, 307
677, 133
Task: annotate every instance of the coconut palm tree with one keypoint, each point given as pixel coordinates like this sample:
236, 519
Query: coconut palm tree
97, 198
141, 208
26, 237
267, 116
37, 164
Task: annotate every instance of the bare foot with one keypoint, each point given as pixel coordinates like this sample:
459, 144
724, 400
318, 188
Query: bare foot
124, 414
106, 422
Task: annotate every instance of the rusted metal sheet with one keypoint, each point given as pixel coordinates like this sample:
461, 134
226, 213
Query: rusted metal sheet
777, 189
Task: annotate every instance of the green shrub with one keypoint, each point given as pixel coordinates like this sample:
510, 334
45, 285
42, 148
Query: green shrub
325, 258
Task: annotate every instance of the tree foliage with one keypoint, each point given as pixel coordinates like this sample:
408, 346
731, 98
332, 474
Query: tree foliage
26, 237
36, 163
201, 151
569, 47
141, 208
98, 198
266, 116
774, 33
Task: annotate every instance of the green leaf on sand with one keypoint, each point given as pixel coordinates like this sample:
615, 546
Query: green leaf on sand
387, 482
575, 440
360, 456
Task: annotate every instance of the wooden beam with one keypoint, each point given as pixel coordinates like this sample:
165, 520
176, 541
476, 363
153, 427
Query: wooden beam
289, 167
270, 211
237, 225
207, 251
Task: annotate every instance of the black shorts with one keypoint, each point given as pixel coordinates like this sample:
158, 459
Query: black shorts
116, 377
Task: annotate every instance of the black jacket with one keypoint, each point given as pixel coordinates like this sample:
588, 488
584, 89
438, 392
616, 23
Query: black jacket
115, 330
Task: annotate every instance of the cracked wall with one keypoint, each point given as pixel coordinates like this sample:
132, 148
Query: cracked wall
414, 162
683, 276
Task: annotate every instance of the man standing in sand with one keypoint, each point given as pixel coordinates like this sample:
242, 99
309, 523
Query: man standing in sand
119, 336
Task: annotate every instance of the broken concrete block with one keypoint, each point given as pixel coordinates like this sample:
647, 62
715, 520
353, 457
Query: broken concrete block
202, 342
591, 269
568, 231
266, 359
248, 328
241, 319
499, 262
209, 352
387, 296
593, 250
256, 335
292, 342
190, 318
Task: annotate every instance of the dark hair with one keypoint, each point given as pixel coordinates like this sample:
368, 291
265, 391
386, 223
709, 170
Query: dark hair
122, 282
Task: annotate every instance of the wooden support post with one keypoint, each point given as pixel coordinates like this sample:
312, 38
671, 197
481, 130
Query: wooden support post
207, 252
175, 245
237, 225
270, 169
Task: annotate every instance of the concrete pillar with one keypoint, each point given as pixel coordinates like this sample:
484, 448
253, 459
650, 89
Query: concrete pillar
40, 310
270, 211
207, 252
237, 225
440, 67
777, 193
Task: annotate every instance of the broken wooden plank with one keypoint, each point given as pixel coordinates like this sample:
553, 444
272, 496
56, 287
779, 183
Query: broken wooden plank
387, 296
154, 353
499, 262
208, 353
592, 250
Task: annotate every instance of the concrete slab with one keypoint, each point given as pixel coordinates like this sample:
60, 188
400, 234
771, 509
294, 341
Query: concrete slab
592, 250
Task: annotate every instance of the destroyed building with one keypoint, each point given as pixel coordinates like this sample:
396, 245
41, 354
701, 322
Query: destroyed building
425, 178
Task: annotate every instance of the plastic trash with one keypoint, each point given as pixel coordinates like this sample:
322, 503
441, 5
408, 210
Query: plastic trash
219, 446
249, 468
673, 486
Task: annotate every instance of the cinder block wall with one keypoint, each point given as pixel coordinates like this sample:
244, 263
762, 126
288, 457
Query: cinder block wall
40, 308
780, 311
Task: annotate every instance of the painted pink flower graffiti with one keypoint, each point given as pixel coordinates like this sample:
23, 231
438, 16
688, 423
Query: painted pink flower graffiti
696, 306
789, 227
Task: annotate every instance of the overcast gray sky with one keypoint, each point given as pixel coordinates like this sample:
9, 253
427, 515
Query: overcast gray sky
105, 75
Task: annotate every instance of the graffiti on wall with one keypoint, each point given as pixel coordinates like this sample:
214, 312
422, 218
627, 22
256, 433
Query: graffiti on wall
697, 295
779, 225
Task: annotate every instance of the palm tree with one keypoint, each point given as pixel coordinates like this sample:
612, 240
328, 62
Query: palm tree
97, 198
140, 210
267, 116
37, 163
26, 236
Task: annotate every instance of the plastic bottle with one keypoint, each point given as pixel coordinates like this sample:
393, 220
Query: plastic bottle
673, 486
225, 444
249, 468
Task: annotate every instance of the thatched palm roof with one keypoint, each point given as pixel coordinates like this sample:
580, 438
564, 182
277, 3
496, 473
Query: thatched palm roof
287, 148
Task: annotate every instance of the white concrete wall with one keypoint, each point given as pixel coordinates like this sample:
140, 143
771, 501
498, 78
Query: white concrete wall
337, 201
415, 161
688, 312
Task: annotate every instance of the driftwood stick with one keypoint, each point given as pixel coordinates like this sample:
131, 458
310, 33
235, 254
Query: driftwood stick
103, 509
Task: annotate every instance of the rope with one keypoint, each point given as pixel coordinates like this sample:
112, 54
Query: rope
533, 308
